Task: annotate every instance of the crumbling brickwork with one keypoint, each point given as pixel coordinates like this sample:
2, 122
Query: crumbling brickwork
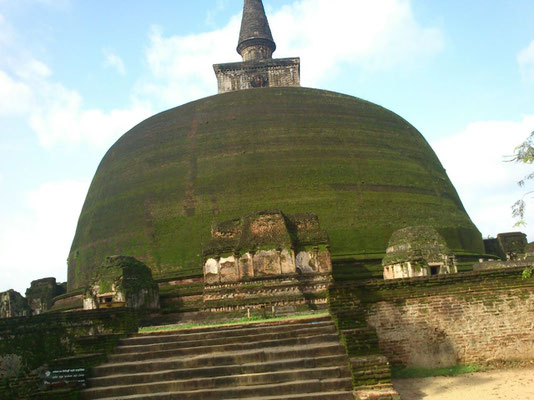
481, 321
447, 320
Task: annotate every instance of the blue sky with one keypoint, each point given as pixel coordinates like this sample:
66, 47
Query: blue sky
75, 75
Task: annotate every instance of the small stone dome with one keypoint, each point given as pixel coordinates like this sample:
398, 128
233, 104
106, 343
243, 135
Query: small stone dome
417, 251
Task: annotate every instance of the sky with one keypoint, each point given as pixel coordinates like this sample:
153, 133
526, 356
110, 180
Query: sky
75, 75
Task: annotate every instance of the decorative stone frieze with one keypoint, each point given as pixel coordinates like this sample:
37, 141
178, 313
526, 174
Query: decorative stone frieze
266, 243
258, 73
267, 258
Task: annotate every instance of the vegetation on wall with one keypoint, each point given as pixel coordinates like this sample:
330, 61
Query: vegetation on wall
266, 230
524, 153
31, 342
362, 169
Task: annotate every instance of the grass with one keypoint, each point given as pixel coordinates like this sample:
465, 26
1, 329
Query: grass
244, 320
412, 372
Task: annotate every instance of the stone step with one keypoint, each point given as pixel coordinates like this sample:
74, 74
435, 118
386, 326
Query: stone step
181, 342
299, 359
226, 331
195, 351
277, 390
228, 381
228, 358
266, 324
214, 371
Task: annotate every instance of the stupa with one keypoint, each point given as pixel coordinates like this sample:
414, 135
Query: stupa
264, 143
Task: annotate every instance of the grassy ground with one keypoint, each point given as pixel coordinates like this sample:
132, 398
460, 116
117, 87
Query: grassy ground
411, 372
252, 320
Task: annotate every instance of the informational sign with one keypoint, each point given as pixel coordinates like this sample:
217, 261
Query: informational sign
64, 377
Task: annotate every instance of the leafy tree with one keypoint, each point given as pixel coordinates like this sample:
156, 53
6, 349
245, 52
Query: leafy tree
524, 153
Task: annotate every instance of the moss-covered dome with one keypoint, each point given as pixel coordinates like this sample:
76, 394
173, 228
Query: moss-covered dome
416, 243
362, 169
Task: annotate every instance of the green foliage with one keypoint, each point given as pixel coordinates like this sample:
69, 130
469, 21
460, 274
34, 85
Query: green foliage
528, 272
524, 153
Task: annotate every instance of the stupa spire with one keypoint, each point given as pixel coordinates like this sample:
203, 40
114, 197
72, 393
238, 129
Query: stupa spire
255, 39
258, 68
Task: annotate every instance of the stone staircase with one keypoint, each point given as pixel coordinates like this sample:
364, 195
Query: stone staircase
298, 359
370, 370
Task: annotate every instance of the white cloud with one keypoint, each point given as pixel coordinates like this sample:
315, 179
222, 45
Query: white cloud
475, 162
57, 114
379, 34
181, 66
33, 70
525, 59
60, 118
35, 242
15, 96
114, 61
372, 35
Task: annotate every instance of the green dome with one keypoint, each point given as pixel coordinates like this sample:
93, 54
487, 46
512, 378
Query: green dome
362, 169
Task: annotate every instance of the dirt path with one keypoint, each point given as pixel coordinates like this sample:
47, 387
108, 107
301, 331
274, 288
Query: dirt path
503, 385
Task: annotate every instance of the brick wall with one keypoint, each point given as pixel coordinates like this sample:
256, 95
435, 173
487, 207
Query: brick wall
450, 319
452, 329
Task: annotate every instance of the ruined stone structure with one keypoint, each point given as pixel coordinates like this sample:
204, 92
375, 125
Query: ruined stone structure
13, 304
266, 243
121, 281
256, 47
529, 252
41, 293
266, 255
417, 251
509, 250
507, 246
